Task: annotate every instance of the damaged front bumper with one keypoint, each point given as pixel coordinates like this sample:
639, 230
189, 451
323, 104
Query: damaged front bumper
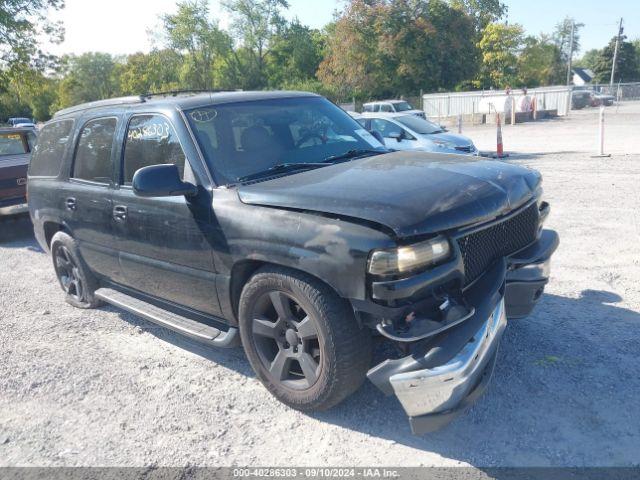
447, 372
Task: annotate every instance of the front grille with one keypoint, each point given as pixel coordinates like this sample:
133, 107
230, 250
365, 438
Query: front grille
482, 248
464, 149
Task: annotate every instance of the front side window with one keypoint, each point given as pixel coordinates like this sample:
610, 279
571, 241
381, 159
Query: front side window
12, 144
246, 138
150, 140
49, 149
385, 107
386, 128
92, 160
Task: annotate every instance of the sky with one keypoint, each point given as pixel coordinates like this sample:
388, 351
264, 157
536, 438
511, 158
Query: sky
123, 26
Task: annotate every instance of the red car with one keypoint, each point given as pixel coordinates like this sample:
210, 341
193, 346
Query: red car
16, 145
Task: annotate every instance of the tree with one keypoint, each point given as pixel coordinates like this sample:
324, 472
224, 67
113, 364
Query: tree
153, 72
396, 47
499, 47
255, 24
562, 38
588, 60
198, 39
88, 77
483, 12
22, 24
540, 63
627, 66
295, 55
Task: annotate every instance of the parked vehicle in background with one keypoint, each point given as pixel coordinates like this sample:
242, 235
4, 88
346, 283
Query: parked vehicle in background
408, 132
580, 98
392, 106
276, 218
599, 98
21, 122
16, 145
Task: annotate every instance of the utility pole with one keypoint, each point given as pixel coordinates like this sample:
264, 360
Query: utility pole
573, 26
615, 54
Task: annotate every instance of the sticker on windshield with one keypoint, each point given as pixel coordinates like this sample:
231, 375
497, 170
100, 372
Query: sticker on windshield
367, 137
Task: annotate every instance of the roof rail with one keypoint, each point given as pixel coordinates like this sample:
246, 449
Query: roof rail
175, 93
101, 103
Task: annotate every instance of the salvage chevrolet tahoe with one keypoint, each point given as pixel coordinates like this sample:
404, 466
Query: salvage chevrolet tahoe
275, 219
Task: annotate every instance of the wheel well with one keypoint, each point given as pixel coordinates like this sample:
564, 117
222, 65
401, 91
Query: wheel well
242, 271
50, 229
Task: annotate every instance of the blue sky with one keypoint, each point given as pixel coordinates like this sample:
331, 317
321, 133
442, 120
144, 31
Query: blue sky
90, 24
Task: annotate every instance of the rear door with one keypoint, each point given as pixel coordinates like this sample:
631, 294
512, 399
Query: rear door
165, 243
87, 197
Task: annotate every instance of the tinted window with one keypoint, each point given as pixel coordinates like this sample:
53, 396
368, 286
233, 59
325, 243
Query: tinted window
385, 107
419, 125
11, 144
151, 140
50, 147
93, 154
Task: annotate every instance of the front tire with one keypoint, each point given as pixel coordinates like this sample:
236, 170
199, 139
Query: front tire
75, 278
302, 339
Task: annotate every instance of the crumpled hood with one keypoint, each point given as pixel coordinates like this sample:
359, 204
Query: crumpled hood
411, 193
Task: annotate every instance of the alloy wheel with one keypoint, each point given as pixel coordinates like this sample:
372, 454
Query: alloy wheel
287, 340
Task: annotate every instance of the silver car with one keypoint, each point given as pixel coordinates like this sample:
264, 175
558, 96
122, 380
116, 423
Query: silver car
408, 132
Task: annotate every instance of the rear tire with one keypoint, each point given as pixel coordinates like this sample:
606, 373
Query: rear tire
302, 339
74, 276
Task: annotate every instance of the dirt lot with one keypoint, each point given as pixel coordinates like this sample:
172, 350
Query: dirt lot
105, 388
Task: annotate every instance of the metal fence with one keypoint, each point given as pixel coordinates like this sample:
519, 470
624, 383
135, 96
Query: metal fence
622, 91
452, 104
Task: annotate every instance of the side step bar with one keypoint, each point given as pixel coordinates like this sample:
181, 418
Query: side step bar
173, 321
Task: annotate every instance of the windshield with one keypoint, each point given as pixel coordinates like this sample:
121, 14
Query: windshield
419, 125
402, 106
240, 140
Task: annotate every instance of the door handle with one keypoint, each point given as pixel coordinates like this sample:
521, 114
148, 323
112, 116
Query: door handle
70, 203
120, 212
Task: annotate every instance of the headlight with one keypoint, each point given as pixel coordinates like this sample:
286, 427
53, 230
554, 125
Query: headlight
411, 257
442, 144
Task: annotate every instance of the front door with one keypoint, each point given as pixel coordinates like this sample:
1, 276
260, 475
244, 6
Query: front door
165, 243
87, 196
395, 137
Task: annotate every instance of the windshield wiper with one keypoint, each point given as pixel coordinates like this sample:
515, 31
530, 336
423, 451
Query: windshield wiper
351, 154
281, 167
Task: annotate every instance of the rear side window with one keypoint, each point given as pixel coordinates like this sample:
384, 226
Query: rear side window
12, 144
49, 149
93, 154
151, 140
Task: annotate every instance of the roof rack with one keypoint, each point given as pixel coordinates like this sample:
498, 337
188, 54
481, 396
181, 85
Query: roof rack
101, 103
175, 93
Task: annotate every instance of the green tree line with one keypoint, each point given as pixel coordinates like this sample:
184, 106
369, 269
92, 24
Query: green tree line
372, 49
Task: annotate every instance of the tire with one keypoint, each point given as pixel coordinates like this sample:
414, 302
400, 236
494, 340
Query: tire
74, 276
323, 370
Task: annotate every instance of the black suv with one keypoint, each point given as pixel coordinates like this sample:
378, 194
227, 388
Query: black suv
275, 219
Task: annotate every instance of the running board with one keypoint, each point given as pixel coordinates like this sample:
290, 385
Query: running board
173, 321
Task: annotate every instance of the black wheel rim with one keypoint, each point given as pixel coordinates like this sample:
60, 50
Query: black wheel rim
286, 340
68, 273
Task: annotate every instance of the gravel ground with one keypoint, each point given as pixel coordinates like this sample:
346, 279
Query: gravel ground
104, 388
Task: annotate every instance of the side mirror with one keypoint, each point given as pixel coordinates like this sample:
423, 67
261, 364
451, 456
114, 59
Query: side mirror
161, 181
397, 135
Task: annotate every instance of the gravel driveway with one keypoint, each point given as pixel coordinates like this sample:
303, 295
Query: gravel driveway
105, 388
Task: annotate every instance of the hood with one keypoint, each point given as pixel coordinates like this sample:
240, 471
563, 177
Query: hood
456, 139
411, 193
